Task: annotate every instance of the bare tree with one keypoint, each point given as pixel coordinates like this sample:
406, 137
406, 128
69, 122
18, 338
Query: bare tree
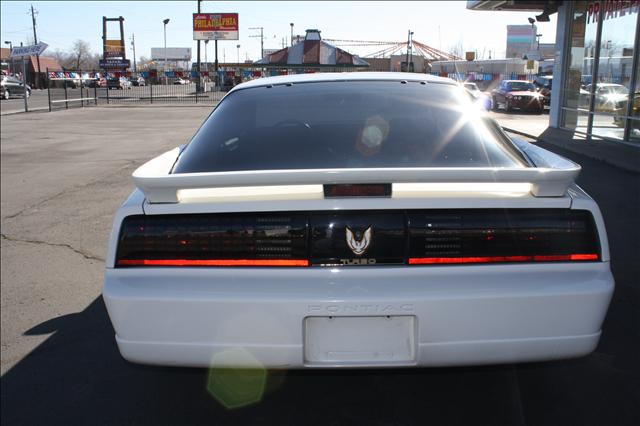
144, 63
80, 52
60, 56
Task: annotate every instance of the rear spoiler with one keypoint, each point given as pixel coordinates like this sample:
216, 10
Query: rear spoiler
550, 178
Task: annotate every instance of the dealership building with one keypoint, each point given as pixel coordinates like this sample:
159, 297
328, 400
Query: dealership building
596, 42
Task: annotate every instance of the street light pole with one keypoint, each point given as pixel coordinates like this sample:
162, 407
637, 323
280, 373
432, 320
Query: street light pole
291, 33
11, 70
410, 50
166, 21
410, 33
238, 47
533, 33
538, 37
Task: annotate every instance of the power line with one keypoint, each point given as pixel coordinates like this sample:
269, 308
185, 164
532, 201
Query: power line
261, 39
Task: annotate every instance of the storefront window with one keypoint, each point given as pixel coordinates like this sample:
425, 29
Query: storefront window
634, 123
575, 97
610, 81
615, 68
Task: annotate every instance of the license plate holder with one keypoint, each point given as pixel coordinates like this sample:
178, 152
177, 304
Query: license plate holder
360, 341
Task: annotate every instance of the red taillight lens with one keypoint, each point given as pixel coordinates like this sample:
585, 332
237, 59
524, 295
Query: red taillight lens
243, 239
497, 236
212, 262
500, 259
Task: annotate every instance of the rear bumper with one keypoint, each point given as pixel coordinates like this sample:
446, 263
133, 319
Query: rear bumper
251, 317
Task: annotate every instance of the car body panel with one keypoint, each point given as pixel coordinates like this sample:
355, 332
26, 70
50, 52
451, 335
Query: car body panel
259, 317
472, 314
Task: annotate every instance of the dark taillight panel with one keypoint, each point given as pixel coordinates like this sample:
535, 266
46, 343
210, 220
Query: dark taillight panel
358, 238
243, 239
510, 235
370, 237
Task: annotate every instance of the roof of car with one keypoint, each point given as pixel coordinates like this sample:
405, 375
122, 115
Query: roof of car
344, 76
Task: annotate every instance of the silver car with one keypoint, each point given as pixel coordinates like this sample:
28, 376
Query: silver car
12, 87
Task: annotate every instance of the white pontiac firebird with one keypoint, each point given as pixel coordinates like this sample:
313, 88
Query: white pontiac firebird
355, 220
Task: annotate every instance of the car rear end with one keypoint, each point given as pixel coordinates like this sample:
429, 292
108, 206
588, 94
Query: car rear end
114, 83
359, 256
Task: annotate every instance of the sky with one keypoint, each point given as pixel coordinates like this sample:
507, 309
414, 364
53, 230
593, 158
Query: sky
441, 25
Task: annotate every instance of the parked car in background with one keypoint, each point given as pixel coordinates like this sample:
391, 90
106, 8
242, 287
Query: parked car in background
482, 99
181, 81
543, 84
609, 96
118, 83
12, 87
621, 112
137, 81
517, 94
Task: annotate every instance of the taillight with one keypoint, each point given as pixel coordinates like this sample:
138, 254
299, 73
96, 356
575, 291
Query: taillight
359, 190
358, 238
265, 239
497, 236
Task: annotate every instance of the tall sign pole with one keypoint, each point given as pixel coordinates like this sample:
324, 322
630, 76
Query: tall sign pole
216, 62
114, 52
198, 59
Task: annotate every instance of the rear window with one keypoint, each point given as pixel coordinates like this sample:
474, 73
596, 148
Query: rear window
346, 125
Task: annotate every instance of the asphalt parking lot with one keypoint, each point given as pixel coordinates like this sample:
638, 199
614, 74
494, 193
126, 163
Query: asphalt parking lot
64, 174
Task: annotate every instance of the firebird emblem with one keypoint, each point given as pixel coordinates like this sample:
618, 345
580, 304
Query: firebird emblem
358, 247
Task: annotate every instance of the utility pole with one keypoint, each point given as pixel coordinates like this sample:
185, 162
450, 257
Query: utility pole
133, 43
198, 54
261, 39
35, 39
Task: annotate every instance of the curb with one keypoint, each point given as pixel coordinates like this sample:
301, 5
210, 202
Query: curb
518, 132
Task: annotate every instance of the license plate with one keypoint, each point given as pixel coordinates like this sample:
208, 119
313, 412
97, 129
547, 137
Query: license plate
360, 341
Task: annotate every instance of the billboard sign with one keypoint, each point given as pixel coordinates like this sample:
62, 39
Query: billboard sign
215, 26
520, 39
115, 64
172, 53
114, 49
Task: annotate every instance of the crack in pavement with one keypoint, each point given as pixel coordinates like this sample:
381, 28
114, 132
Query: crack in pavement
73, 188
70, 247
